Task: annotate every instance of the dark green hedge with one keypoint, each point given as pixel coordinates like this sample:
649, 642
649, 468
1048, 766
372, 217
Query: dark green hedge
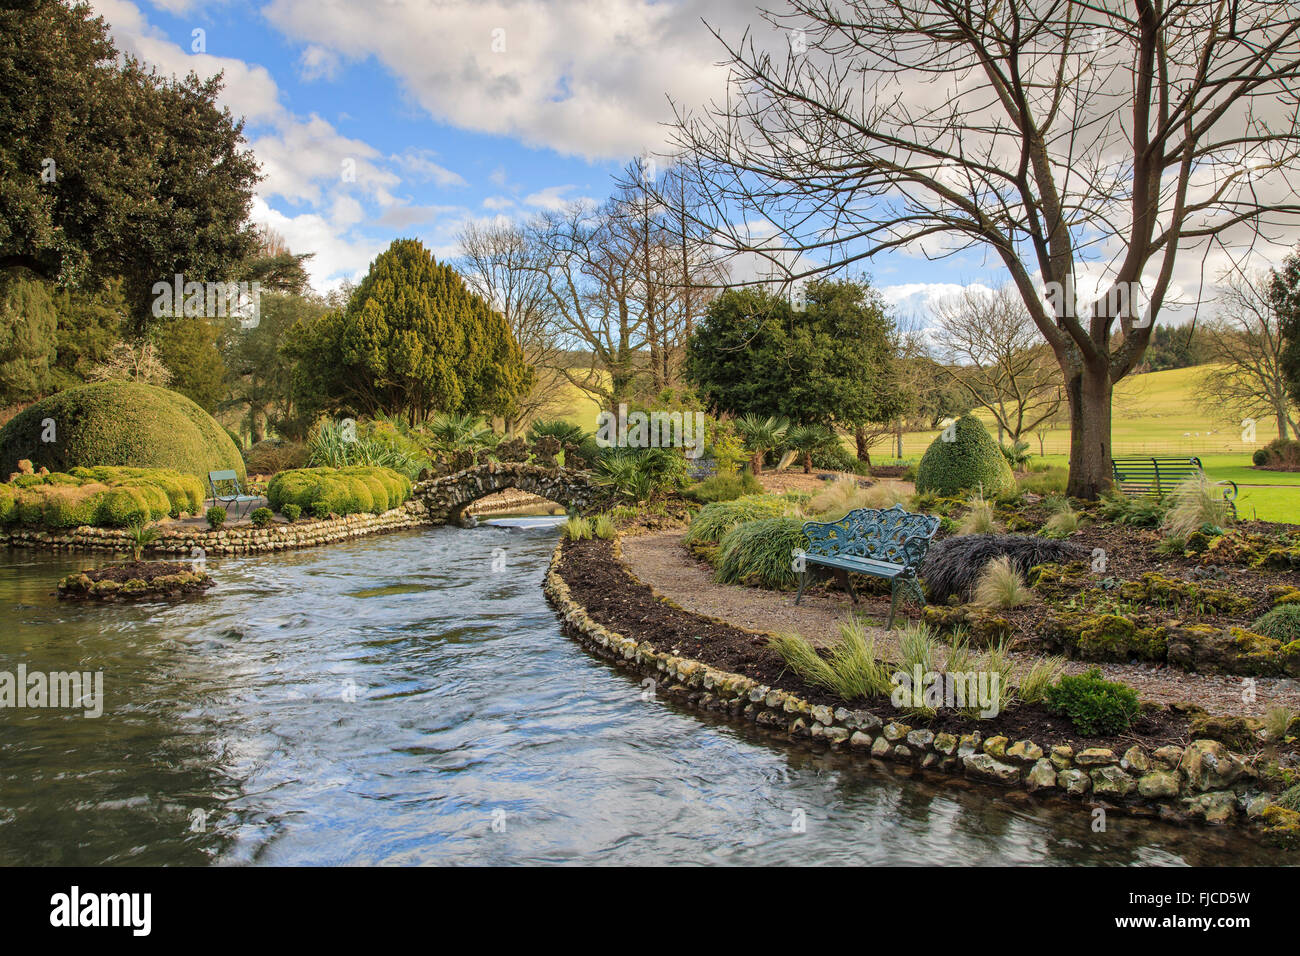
972, 460
119, 423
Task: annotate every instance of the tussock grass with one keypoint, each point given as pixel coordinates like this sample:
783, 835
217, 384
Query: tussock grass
577, 529
1063, 522
1193, 504
979, 520
1042, 675
716, 519
1001, 586
602, 526
851, 668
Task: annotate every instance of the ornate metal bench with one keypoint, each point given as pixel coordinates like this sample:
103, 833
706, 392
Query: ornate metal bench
882, 543
1159, 476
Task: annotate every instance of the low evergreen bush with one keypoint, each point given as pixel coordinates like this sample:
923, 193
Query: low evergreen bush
216, 517
261, 517
1095, 706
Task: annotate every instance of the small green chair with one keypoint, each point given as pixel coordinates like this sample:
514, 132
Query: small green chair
229, 493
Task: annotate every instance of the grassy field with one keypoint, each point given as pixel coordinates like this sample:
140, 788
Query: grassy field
1154, 414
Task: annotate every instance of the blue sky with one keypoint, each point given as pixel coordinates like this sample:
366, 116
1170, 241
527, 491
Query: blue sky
379, 119
450, 111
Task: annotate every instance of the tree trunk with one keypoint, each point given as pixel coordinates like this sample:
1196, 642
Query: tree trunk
757, 463
1089, 391
807, 463
860, 439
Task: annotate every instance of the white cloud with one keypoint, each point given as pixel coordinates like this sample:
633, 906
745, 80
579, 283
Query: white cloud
419, 162
583, 77
318, 63
498, 202
550, 199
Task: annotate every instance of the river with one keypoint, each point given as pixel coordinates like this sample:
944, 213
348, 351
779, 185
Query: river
409, 699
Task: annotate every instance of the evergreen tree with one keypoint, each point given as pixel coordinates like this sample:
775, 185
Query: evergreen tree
412, 340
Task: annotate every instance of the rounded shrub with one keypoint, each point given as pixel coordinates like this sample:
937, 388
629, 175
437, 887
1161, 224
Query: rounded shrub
123, 424
1282, 623
261, 517
1260, 458
121, 506
72, 506
8, 511
1096, 707
964, 457
342, 491
716, 519
761, 553
291, 512
216, 517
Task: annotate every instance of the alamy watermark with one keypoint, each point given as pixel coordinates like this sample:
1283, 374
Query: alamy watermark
684, 430
53, 690
239, 300
956, 690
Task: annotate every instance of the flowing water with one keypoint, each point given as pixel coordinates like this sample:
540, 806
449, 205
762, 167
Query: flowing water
409, 698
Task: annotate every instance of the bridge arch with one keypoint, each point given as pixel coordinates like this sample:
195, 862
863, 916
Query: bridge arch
446, 498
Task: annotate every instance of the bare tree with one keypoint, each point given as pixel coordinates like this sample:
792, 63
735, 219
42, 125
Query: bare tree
1073, 140
590, 275
1245, 346
504, 264
993, 352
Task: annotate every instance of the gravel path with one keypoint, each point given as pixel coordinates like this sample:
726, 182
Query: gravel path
663, 563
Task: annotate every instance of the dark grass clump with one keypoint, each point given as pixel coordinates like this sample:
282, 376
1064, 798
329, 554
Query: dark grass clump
953, 565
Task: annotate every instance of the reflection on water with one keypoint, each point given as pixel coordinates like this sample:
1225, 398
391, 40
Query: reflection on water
410, 699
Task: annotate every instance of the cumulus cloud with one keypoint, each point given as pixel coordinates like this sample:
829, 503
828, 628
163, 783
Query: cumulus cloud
583, 78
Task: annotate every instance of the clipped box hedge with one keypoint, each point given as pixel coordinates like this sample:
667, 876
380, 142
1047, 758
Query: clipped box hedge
120, 424
358, 489
103, 496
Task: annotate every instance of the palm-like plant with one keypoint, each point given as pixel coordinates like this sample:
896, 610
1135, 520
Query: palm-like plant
141, 534
761, 435
566, 433
806, 439
452, 433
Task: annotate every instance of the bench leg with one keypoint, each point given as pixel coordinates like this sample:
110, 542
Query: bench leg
843, 577
803, 583
893, 603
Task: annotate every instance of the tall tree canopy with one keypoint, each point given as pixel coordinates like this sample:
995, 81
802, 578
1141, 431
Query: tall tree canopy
754, 354
107, 169
1072, 141
412, 340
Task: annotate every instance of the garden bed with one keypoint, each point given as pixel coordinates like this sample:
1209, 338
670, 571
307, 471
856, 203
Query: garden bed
600, 583
135, 581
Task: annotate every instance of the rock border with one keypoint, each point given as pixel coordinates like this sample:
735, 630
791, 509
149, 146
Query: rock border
182, 542
1201, 783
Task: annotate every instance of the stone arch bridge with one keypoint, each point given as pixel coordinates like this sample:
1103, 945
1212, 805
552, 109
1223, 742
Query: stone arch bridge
446, 498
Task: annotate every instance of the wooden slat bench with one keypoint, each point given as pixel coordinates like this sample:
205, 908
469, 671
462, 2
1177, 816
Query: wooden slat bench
1159, 476
888, 543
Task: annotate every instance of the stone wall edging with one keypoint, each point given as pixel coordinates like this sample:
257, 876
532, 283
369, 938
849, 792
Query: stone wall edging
1201, 783
179, 543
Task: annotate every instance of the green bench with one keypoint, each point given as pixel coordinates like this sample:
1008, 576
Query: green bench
1159, 476
889, 543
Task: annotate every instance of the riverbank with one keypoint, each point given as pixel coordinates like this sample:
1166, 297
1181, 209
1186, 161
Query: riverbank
710, 664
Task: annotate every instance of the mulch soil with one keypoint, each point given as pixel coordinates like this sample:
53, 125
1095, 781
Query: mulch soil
598, 581
140, 570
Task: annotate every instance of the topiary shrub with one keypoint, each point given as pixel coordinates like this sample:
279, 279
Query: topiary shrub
1259, 458
120, 507
261, 517
970, 461
119, 423
1282, 623
1095, 706
291, 512
761, 553
216, 517
342, 491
